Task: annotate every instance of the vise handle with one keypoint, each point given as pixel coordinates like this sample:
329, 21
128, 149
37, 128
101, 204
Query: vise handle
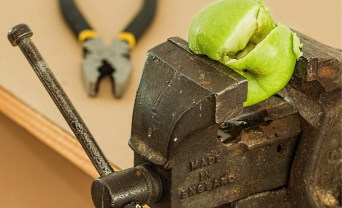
142, 181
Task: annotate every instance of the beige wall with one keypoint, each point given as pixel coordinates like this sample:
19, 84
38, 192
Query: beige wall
33, 176
319, 19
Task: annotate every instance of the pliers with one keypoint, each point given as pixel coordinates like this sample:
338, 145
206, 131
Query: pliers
100, 60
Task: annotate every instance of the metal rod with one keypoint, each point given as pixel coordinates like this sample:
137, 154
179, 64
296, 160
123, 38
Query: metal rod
20, 35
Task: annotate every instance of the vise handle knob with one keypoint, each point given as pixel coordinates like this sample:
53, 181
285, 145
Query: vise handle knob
141, 183
20, 36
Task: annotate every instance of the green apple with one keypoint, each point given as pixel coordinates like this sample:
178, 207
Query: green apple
241, 34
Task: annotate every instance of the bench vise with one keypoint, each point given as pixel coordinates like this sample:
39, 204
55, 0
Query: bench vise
196, 146
209, 151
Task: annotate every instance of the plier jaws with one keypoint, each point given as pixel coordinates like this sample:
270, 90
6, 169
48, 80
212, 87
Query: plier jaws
101, 60
113, 60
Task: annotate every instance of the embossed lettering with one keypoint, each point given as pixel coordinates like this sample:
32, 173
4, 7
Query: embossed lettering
183, 194
209, 159
231, 178
203, 162
216, 183
224, 181
207, 186
218, 157
204, 175
200, 188
192, 191
194, 165
204, 186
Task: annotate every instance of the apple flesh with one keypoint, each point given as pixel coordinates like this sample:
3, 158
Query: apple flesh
241, 34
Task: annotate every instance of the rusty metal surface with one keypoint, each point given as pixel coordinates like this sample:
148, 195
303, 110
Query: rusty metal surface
260, 163
269, 199
133, 205
239, 172
267, 113
315, 90
20, 35
178, 94
319, 62
139, 184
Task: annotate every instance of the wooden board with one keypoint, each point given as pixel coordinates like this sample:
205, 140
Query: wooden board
36, 177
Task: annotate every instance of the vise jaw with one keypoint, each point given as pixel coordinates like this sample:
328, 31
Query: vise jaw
180, 94
181, 102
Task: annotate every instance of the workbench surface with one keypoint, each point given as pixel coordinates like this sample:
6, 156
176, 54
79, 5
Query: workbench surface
24, 100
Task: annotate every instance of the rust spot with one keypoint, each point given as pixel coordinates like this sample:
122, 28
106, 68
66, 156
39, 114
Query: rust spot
165, 166
205, 83
282, 148
149, 132
138, 173
240, 149
327, 72
266, 131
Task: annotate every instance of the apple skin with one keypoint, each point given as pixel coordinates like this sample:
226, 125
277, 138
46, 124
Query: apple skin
227, 28
269, 66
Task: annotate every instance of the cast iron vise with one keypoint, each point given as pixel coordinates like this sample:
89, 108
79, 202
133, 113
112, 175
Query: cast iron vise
197, 147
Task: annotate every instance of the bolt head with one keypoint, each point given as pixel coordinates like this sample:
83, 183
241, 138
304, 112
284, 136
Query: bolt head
18, 32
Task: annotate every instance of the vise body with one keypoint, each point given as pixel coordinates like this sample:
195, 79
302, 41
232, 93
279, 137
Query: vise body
190, 124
